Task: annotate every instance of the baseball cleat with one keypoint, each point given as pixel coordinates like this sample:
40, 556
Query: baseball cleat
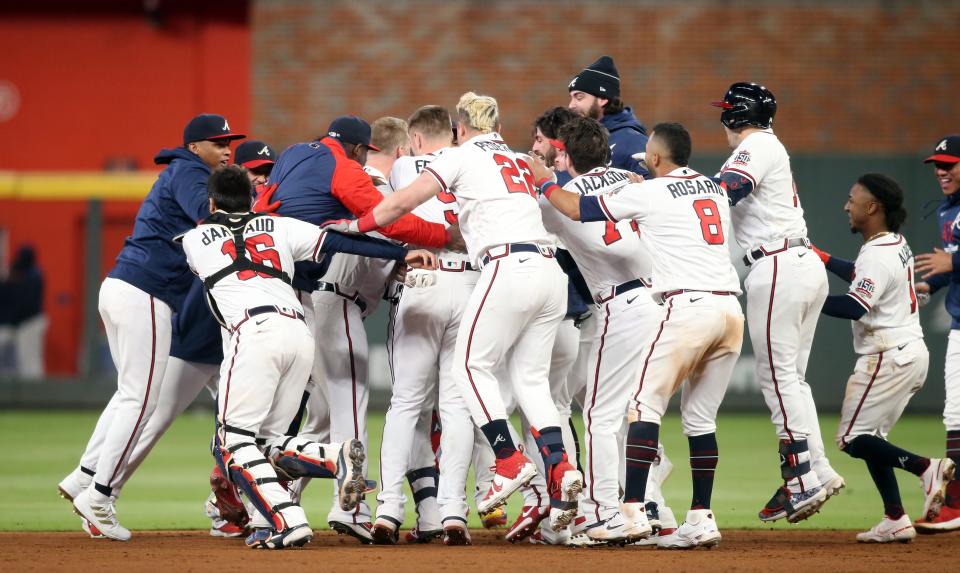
496, 517
834, 485
361, 531
223, 528
947, 520
654, 539
456, 534
637, 525
527, 522
699, 529
417, 536
101, 515
583, 540
510, 474
889, 531
935, 479
91, 529
794, 506
296, 536
350, 481
566, 484
385, 532
652, 510
71, 486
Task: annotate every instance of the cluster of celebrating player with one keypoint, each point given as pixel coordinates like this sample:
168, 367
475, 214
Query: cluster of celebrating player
596, 268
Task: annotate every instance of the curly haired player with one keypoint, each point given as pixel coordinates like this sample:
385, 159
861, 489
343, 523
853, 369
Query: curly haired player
893, 358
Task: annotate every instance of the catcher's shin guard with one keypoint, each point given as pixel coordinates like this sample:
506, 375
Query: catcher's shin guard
298, 457
252, 472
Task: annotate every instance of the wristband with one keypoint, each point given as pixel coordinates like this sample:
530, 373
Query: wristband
824, 256
367, 223
549, 189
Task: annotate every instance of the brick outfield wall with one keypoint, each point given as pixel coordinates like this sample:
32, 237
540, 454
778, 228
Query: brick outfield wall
855, 76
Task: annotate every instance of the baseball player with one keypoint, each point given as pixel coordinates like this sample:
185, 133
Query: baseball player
684, 218
893, 358
785, 290
617, 268
595, 93
137, 299
501, 224
940, 269
423, 334
241, 257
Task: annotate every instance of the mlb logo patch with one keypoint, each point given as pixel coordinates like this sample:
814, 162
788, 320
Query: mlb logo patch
742, 158
865, 287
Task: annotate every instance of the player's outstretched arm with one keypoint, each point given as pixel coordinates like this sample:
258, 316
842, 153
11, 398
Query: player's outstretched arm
399, 203
840, 267
333, 242
843, 306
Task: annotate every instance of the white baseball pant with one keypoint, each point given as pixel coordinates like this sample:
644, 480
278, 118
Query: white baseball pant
262, 379
785, 293
423, 335
625, 325
341, 367
182, 383
138, 331
697, 345
880, 388
515, 308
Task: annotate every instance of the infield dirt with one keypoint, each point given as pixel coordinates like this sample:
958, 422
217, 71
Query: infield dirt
768, 551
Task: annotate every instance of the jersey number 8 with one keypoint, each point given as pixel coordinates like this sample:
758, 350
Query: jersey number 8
710, 223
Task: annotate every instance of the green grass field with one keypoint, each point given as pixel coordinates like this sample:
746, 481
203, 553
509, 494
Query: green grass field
169, 490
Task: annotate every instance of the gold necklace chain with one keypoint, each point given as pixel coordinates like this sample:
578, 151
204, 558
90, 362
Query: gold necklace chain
878, 235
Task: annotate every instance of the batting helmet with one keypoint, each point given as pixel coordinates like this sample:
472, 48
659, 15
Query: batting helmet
747, 104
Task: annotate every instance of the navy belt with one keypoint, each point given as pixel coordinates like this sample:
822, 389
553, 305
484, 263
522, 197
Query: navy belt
335, 289
619, 290
517, 248
760, 252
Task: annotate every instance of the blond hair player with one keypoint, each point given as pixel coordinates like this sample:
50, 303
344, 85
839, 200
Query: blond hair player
516, 305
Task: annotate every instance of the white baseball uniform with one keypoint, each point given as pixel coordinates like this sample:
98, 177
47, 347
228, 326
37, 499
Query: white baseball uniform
264, 373
785, 291
521, 295
685, 221
617, 268
893, 359
422, 337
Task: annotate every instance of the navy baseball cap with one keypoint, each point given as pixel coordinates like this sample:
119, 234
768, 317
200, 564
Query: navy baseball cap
208, 127
351, 129
946, 151
254, 153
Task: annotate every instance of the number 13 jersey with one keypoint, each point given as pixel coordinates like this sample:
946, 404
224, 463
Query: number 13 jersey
685, 221
494, 188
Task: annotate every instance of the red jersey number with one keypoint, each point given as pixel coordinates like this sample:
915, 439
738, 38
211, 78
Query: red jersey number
518, 177
259, 250
611, 234
449, 214
710, 224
